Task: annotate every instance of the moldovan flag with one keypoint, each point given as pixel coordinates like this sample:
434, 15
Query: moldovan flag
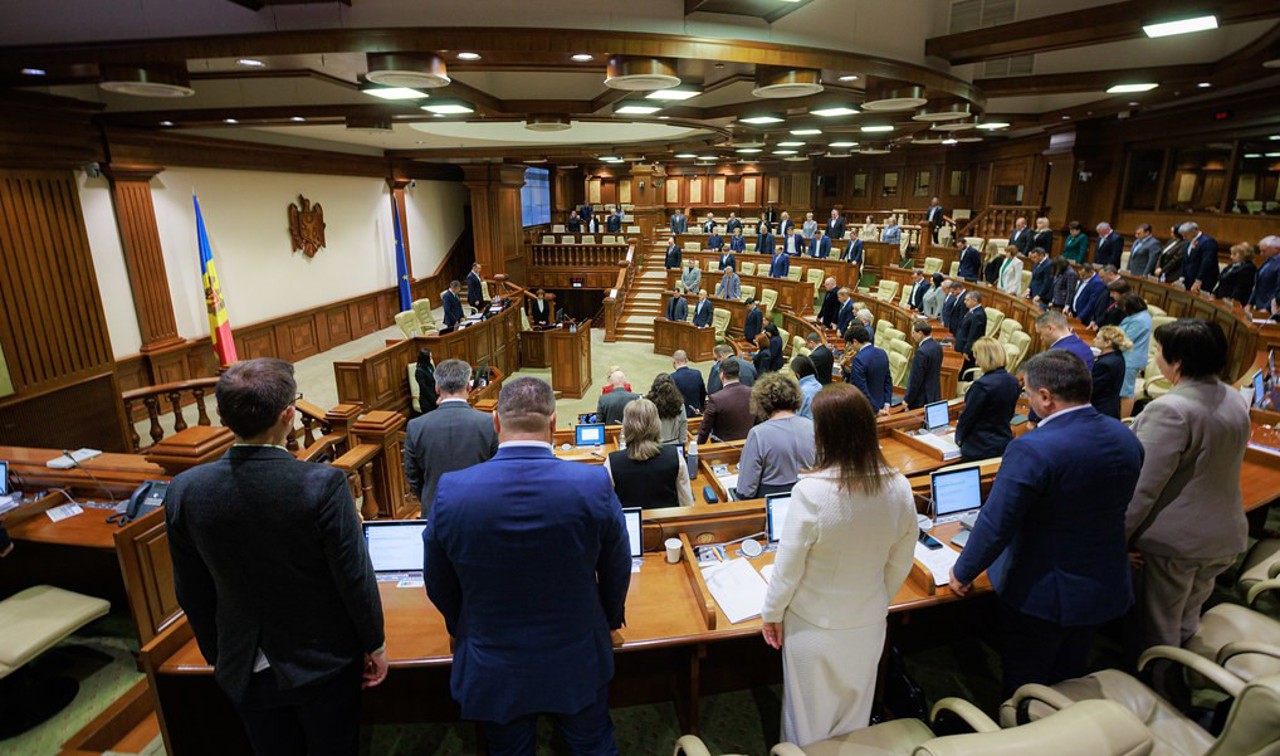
219, 326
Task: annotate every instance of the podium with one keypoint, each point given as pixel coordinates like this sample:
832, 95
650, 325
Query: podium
570, 357
670, 335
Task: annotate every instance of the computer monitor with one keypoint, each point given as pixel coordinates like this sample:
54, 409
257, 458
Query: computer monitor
395, 545
634, 529
776, 508
1259, 390
587, 418
588, 434
956, 492
936, 416
4, 478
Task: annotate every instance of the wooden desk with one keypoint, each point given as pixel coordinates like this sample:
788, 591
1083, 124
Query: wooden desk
570, 357
793, 296
534, 351
844, 273
670, 335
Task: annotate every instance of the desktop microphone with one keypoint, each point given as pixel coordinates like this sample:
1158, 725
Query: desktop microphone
111, 499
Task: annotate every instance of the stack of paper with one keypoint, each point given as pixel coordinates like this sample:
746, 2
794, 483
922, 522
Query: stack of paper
737, 588
938, 561
945, 444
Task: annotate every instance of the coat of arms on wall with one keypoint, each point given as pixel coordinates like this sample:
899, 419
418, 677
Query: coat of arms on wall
306, 226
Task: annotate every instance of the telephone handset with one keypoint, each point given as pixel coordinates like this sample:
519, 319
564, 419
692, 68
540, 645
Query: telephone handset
144, 500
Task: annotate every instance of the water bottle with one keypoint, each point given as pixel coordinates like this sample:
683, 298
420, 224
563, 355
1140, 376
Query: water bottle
691, 458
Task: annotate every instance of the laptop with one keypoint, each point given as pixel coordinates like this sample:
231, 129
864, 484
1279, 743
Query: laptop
936, 417
4, 478
588, 434
956, 493
395, 548
634, 529
1259, 392
587, 418
776, 507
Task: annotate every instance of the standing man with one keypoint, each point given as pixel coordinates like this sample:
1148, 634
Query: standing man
737, 243
845, 315
677, 308
936, 216
1145, 251
780, 265
953, 308
1109, 247
970, 260
795, 242
453, 437
919, 287
1200, 270
534, 639
475, 288
764, 242
820, 246
852, 253
925, 382
611, 404
836, 226
809, 227
689, 381
823, 360
452, 304
869, 369
704, 312
715, 242
1052, 529
723, 353
1267, 284
671, 261
728, 410
1021, 237
1056, 333
1087, 292
829, 312
540, 309
753, 323
271, 569
730, 285
733, 225
679, 223
1041, 289
728, 259
692, 276
971, 327
709, 224
613, 223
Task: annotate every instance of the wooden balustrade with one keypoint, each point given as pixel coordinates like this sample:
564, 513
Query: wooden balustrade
358, 465
611, 312
153, 399
577, 255
996, 221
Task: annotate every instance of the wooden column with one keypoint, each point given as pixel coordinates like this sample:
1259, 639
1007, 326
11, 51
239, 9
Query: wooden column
397, 195
383, 429
649, 212
144, 261
495, 216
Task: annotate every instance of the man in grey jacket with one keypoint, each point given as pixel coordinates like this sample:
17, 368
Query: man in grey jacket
1145, 251
453, 437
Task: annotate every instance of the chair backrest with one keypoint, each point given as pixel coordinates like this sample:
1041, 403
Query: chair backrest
954, 270
720, 322
994, 319
693, 246
877, 332
548, 239
1020, 341
785, 335
747, 291
1026, 279
769, 298
484, 290
1008, 326
797, 346
422, 308
1156, 322
1156, 312
794, 272
886, 290
944, 235
905, 299
1093, 727
713, 265
1124, 260
633, 229
898, 369
902, 347
557, 228
408, 322
569, 239
974, 241
748, 268
1253, 726
588, 238
414, 389
889, 335
932, 265
608, 239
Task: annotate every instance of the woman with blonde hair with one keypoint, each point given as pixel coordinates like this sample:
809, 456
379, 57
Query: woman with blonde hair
648, 474
983, 428
845, 549
1108, 369
1043, 236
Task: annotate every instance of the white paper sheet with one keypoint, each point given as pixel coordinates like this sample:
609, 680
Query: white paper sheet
737, 588
939, 561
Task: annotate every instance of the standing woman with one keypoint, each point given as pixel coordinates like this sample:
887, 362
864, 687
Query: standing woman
995, 261
779, 447
1137, 326
1108, 369
934, 297
425, 375
1043, 237
647, 474
672, 418
983, 428
1236, 281
763, 360
845, 549
1011, 272
1065, 281
1169, 264
1076, 244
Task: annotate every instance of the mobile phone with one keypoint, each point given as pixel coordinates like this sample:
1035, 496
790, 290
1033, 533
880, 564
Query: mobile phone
931, 543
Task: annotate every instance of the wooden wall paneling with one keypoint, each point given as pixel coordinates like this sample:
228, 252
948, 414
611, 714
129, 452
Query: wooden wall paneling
593, 191
38, 134
773, 190
334, 327
624, 191
672, 190
256, 342
86, 413
719, 185
143, 550
296, 339
750, 190
695, 190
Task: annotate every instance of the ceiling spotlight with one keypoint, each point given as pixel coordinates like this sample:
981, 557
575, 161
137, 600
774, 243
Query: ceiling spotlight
848, 77
778, 83
1134, 104
1132, 88
232, 121
950, 142
250, 63
34, 72
449, 107
1274, 137
1204, 85
393, 93
468, 56
673, 94
640, 74
993, 125
708, 157
546, 123
1066, 118
834, 111
297, 119
1183, 26
747, 150
790, 144
843, 145
877, 129
166, 123
806, 132
686, 155
160, 82
757, 120
636, 109
784, 152
582, 57
1271, 154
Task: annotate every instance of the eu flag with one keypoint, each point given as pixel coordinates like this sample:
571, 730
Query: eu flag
402, 265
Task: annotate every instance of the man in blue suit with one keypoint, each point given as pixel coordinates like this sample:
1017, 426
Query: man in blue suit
953, 306
613, 222
733, 224
852, 253
781, 264
1052, 529
765, 243
919, 287
836, 226
1087, 292
737, 243
475, 287
844, 315
452, 304
1200, 269
679, 223
677, 308
753, 324
1109, 248
869, 370
703, 312
1041, 289
970, 261
527, 558
728, 259
820, 246
715, 242
689, 381
925, 382
1268, 280
1056, 333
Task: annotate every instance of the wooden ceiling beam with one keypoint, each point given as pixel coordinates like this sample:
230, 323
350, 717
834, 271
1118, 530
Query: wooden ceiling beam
1115, 22
1091, 81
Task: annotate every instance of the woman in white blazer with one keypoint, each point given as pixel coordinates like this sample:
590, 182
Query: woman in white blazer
1011, 272
846, 548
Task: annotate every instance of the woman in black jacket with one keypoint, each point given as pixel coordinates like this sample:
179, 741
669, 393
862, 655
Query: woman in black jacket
1108, 369
1169, 264
764, 357
426, 377
1043, 237
1065, 281
983, 428
775, 347
1236, 280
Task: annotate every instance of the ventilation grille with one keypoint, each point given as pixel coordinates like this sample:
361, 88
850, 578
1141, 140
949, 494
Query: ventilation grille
968, 15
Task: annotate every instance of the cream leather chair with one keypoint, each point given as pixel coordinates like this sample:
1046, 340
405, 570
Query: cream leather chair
1026, 280
902, 347
954, 270
633, 229
877, 332
944, 235
748, 291
588, 238
608, 239
932, 265
905, 299
1261, 564
1019, 344
426, 318
720, 322
794, 273
994, 319
1245, 642
713, 266
888, 336
569, 239
1156, 312
974, 241
548, 239
1124, 260
693, 246
1154, 384
768, 298
785, 335
898, 367
558, 228
1007, 327
886, 290
408, 323
798, 347
747, 269
814, 276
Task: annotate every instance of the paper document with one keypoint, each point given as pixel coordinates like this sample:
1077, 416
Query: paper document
937, 561
729, 482
58, 514
945, 444
737, 588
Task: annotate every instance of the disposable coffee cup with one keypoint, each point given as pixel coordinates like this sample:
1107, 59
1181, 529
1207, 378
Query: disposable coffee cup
673, 550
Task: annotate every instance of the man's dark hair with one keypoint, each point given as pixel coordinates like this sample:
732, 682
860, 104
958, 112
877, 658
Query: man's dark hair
750, 301
974, 295
455, 284
526, 404
1062, 373
253, 393
730, 369
813, 338
922, 326
1144, 227
858, 332
801, 365
1198, 347
453, 377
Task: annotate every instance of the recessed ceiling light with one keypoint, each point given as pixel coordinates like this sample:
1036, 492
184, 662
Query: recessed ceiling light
611, 158
1204, 84
950, 142
297, 119
34, 72
673, 94
1271, 154
230, 120
1252, 155
636, 109
250, 63
708, 157
836, 110
843, 145
784, 152
582, 57
790, 144
394, 93
993, 125
1133, 104
848, 77
747, 150
663, 118
686, 155
1146, 86
1274, 137
1066, 118
1182, 26
468, 56
443, 108
806, 132
874, 129
761, 119
166, 123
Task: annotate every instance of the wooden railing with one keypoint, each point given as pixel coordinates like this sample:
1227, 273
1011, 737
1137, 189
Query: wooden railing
998, 220
611, 312
577, 255
358, 465
154, 399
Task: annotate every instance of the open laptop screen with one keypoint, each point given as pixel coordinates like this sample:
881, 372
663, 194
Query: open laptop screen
936, 416
956, 491
588, 435
634, 529
395, 546
4, 478
776, 508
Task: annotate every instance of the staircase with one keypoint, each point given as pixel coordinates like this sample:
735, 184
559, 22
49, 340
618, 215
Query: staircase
647, 297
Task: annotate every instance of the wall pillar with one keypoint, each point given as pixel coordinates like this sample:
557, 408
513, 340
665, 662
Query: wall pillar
650, 212
496, 217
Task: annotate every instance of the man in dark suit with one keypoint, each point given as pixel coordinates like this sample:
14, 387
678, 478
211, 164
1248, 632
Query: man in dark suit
612, 402
1267, 283
970, 261
530, 585
746, 371
672, 259
836, 225
728, 411
1041, 288
733, 225
737, 242
971, 327
689, 381
869, 370
540, 309
1052, 531
852, 253
829, 311
936, 216
679, 223
785, 225
795, 245
728, 260
1144, 253
677, 308
845, 315
704, 312
585, 212
453, 437
765, 244
821, 357
1200, 269
613, 223
820, 246
754, 321
475, 288
919, 287
715, 242
953, 308
573, 224
270, 566
1109, 247
1087, 292
1103, 302
780, 265
1056, 333
924, 385
1021, 236
709, 224
452, 305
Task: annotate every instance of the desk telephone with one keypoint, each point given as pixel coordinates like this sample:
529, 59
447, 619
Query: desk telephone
144, 500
